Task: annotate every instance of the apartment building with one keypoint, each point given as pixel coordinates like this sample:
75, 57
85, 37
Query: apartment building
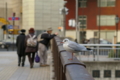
95, 16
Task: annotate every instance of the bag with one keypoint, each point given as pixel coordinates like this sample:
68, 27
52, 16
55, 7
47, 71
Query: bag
37, 58
31, 42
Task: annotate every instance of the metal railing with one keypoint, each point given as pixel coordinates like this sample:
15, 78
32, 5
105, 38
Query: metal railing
101, 52
67, 69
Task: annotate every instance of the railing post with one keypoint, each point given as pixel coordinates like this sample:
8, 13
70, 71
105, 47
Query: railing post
79, 56
98, 47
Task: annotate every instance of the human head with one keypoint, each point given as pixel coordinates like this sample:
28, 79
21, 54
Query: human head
49, 30
65, 40
31, 31
22, 30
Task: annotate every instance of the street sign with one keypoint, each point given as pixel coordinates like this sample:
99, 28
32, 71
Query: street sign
10, 26
60, 28
13, 18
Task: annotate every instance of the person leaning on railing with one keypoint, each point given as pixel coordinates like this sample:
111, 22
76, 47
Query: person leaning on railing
43, 45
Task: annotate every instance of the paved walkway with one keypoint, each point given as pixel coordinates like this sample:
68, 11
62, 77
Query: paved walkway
10, 71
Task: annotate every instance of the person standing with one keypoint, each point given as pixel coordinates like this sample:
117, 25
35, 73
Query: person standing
20, 44
30, 49
44, 44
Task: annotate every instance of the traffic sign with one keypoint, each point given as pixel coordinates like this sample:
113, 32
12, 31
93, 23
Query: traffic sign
13, 18
10, 26
60, 28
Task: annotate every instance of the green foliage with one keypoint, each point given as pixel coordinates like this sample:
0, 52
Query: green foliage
114, 54
111, 54
118, 42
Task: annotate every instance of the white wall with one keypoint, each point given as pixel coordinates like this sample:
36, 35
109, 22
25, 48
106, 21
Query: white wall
89, 34
47, 14
3, 9
1, 34
118, 36
101, 66
41, 14
71, 33
28, 18
16, 7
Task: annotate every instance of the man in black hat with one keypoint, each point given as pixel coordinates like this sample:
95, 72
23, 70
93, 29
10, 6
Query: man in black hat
20, 43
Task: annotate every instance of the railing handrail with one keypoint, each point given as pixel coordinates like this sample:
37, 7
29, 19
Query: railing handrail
67, 69
100, 44
105, 48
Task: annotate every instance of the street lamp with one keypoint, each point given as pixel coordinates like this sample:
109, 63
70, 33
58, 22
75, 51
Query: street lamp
64, 12
76, 16
116, 21
13, 28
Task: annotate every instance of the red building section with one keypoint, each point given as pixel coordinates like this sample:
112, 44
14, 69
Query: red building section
91, 11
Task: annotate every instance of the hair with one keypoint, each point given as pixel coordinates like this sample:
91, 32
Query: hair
31, 30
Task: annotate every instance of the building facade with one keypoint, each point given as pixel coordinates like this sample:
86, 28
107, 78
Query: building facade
38, 14
95, 16
5, 12
41, 14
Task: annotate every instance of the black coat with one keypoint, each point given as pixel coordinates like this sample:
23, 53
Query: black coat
46, 39
20, 43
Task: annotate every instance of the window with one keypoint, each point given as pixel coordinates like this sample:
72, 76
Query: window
117, 73
95, 34
82, 3
106, 3
83, 21
107, 73
96, 73
106, 20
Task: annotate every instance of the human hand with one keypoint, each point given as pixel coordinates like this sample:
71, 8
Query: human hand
56, 33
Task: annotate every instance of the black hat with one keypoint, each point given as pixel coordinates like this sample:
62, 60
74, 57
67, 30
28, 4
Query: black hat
23, 30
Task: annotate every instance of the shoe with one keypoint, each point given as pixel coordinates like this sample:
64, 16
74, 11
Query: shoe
42, 66
19, 64
46, 65
22, 64
31, 66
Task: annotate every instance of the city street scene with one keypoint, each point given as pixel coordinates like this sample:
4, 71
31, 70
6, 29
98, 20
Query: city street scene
59, 40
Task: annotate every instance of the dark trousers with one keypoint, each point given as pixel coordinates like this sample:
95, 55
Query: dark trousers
31, 57
21, 58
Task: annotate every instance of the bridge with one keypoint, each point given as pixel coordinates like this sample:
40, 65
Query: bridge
60, 67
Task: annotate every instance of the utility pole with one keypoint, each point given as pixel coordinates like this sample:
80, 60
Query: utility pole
4, 31
64, 21
99, 20
13, 29
77, 29
6, 20
64, 12
117, 21
6, 10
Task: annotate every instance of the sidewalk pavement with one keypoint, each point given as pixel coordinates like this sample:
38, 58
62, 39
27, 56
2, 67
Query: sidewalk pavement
9, 69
